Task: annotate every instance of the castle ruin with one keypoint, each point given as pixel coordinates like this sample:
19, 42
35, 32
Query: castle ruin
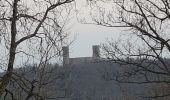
67, 60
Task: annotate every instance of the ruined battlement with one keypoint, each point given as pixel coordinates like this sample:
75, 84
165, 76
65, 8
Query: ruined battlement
67, 60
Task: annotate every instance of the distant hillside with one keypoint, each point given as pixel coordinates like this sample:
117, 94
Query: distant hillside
84, 81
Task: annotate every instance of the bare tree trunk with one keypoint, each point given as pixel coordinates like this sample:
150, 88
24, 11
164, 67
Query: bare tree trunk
6, 78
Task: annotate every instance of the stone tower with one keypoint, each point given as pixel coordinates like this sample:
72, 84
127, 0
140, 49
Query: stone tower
96, 51
65, 55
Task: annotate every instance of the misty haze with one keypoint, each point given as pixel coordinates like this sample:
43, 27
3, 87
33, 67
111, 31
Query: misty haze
84, 50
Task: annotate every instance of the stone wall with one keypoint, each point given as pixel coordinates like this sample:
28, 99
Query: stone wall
67, 60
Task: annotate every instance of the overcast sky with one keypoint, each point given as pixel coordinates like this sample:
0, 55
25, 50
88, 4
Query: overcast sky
87, 34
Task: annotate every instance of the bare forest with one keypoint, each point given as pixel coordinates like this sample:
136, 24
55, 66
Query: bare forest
35, 62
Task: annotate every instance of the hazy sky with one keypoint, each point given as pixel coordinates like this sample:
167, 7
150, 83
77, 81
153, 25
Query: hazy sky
88, 35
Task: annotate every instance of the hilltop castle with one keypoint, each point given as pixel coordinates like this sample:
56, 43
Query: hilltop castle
67, 60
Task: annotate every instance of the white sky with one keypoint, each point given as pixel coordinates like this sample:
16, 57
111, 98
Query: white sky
88, 35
